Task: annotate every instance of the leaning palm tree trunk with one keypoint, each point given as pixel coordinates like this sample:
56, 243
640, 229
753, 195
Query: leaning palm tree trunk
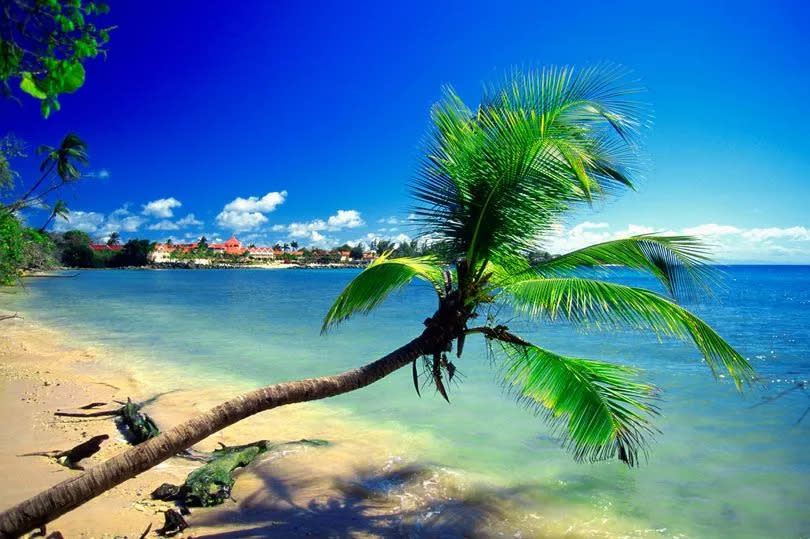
68, 495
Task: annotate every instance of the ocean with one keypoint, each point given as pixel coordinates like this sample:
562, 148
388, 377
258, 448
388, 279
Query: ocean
724, 465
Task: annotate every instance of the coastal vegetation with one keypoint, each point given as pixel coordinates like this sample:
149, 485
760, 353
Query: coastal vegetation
44, 45
495, 180
26, 247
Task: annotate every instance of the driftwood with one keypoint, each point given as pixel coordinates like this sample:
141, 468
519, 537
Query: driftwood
10, 316
71, 457
173, 524
139, 426
211, 484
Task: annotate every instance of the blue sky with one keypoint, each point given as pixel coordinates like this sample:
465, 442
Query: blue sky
269, 118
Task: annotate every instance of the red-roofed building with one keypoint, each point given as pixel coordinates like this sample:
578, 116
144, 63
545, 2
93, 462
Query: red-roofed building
105, 247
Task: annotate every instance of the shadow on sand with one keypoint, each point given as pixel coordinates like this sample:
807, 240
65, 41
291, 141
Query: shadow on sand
405, 502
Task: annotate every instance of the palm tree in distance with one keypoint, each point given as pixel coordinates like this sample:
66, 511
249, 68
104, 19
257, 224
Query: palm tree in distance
494, 181
114, 239
60, 209
72, 151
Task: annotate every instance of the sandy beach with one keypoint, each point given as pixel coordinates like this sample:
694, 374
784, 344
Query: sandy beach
354, 487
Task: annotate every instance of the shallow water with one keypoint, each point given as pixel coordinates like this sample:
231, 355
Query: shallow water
721, 467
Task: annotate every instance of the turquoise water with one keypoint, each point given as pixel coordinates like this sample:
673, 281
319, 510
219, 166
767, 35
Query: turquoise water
721, 467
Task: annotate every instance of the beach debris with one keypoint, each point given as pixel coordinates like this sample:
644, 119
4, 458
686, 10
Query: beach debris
146, 531
211, 484
71, 457
10, 316
173, 524
138, 425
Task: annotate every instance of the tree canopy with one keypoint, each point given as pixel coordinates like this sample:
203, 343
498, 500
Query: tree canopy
44, 45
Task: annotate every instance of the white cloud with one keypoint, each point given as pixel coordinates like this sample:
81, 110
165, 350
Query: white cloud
634, 230
128, 224
164, 225
86, 221
345, 219
799, 233
711, 229
266, 204
237, 220
189, 220
249, 213
726, 243
161, 208
392, 220
120, 220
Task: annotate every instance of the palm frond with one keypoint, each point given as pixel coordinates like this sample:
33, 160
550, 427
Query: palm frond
609, 305
495, 178
678, 262
376, 282
599, 407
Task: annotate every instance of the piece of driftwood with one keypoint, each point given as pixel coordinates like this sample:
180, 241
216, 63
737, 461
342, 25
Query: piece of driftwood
139, 426
211, 484
173, 524
146, 531
71, 457
10, 316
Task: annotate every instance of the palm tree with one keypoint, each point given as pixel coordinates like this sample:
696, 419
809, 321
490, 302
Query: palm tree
59, 209
72, 151
114, 239
494, 181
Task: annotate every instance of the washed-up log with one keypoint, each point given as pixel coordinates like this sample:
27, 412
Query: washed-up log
212, 483
71, 457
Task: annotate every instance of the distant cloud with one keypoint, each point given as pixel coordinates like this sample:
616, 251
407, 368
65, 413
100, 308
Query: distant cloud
392, 220
343, 219
86, 221
98, 224
189, 220
101, 174
164, 225
248, 213
727, 243
161, 208
711, 229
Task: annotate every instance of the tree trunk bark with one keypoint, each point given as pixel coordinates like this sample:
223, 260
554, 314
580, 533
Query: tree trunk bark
70, 494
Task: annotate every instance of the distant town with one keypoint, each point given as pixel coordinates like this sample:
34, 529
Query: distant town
202, 253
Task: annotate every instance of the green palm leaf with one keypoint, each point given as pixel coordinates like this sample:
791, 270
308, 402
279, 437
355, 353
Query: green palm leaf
598, 407
375, 283
609, 305
678, 262
495, 179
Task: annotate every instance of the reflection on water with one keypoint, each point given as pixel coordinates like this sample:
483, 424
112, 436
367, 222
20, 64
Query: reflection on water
721, 467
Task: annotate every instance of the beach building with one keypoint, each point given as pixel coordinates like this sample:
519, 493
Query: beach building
105, 247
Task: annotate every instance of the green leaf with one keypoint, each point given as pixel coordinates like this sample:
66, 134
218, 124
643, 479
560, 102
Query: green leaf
600, 408
609, 305
498, 177
678, 262
73, 78
29, 86
375, 283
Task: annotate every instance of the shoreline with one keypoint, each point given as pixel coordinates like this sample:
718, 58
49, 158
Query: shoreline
355, 486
